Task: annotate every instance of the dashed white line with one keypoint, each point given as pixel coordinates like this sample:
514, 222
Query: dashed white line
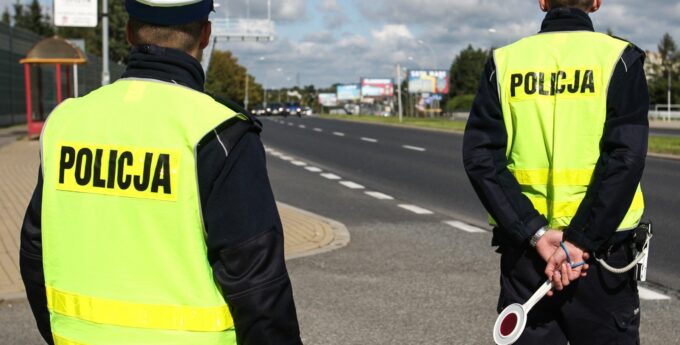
651, 295
291, 124
302, 126
298, 163
416, 209
465, 227
351, 185
339, 134
318, 130
414, 148
379, 196
330, 176
370, 140
286, 158
313, 169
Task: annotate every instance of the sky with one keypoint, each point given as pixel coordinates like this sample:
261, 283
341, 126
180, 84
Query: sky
323, 42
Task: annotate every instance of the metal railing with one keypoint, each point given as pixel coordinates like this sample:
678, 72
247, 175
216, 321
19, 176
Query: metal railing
245, 29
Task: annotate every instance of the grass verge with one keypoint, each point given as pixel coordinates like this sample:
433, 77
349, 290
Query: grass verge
662, 145
436, 123
665, 145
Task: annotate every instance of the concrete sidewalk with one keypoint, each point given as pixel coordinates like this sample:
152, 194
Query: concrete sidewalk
305, 233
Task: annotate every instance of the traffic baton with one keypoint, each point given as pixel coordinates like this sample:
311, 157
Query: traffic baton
511, 322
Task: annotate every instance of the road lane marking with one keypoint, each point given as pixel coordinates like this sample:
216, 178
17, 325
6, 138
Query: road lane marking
298, 163
651, 295
370, 140
339, 134
313, 169
414, 148
351, 185
379, 196
291, 124
302, 126
465, 227
330, 176
416, 209
286, 158
318, 130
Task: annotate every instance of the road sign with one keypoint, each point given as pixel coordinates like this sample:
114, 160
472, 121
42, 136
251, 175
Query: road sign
75, 13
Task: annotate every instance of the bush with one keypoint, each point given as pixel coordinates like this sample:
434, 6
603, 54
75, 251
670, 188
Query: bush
460, 103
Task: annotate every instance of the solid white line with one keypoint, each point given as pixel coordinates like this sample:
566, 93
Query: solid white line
318, 130
651, 295
340, 134
298, 163
414, 148
370, 140
465, 227
331, 176
351, 185
415, 209
302, 126
379, 196
313, 169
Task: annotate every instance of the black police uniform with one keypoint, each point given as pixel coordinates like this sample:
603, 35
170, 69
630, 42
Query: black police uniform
239, 213
602, 308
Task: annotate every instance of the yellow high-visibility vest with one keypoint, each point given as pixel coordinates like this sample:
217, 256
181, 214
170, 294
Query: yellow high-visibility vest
124, 248
553, 91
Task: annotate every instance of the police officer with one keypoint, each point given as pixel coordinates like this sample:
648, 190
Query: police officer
555, 148
153, 221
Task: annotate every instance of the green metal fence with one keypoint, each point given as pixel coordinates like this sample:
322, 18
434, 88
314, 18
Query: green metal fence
14, 44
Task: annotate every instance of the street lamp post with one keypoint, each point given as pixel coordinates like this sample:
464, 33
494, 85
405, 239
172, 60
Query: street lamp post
106, 74
401, 109
670, 93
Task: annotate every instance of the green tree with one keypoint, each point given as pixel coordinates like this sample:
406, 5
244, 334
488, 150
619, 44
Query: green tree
226, 79
33, 18
466, 70
6, 18
670, 63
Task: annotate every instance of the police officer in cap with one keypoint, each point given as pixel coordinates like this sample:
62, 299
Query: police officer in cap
153, 221
555, 148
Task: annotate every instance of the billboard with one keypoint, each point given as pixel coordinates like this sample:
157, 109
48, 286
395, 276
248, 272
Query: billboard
328, 99
351, 92
371, 87
76, 13
428, 81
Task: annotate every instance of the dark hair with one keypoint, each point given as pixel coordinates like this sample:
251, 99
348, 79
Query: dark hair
185, 37
584, 5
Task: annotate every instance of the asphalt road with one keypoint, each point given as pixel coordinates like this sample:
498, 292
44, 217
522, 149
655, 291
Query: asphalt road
405, 278
426, 167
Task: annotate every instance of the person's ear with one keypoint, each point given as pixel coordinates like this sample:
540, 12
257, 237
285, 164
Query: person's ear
543, 4
206, 32
128, 34
596, 6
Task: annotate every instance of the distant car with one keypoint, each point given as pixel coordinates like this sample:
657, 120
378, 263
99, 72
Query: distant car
277, 109
294, 109
259, 110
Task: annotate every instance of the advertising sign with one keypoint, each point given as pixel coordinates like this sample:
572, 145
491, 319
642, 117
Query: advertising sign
428, 81
351, 92
377, 87
76, 13
328, 99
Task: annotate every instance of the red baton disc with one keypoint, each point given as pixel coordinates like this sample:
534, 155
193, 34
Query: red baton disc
508, 324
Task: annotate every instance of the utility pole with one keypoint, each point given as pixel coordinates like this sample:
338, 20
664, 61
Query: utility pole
670, 84
401, 109
106, 74
245, 101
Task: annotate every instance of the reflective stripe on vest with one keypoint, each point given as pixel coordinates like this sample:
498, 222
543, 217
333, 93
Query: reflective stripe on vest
553, 91
124, 248
120, 313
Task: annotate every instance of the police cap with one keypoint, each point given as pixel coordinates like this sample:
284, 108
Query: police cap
169, 12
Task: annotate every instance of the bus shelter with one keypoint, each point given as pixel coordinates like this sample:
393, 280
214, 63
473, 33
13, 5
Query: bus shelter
51, 75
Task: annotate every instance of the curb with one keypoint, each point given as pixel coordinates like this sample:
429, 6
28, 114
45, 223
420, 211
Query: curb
664, 156
13, 297
341, 236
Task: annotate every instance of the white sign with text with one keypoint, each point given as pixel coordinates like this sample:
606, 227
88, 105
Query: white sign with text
76, 13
